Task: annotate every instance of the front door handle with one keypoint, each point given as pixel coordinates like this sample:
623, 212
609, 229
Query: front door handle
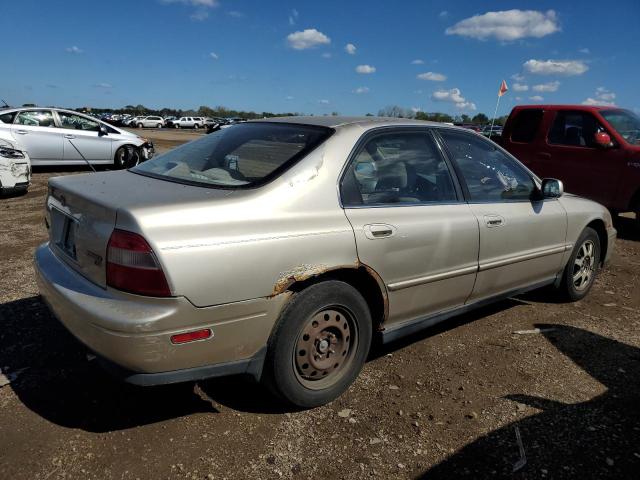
69, 136
493, 221
544, 155
22, 132
379, 230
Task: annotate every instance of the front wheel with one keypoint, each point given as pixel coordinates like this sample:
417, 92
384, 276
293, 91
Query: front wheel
139, 125
126, 157
319, 344
582, 268
196, 126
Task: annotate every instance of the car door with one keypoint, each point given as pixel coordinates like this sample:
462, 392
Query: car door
82, 138
572, 155
37, 132
522, 239
411, 223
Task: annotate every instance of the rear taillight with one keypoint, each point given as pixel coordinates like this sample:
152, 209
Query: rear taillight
132, 266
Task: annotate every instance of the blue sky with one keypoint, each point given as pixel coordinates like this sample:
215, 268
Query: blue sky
292, 56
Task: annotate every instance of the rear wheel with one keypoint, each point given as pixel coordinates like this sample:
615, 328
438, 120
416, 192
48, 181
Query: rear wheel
582, 268
159, 125
139, 125
196, 126
176, 126
319, 344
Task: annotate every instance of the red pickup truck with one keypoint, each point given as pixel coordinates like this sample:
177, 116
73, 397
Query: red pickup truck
595, 151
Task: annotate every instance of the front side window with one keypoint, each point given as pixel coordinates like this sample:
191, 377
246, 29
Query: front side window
77, 122
525, 125
36, 118
574, 129
7, 117
398, 168
490, 175
626, 123
241, 156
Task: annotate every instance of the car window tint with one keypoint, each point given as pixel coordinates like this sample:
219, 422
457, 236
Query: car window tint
525, 125
7, 117
576, 129
77, 122
490, 175
36, 118
398, 168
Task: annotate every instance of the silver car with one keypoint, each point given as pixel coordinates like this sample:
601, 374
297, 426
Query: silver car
281, 248
54, 136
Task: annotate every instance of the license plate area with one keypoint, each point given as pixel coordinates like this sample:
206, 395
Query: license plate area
64, 234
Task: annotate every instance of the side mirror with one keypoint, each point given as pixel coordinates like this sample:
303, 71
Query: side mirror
603, 140
102, 131
552, 188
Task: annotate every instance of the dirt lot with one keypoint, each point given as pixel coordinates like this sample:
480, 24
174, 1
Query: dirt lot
442, 404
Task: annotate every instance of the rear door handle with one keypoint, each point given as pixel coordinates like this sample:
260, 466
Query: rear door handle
379, 230
494, 221
69, 136
22, 132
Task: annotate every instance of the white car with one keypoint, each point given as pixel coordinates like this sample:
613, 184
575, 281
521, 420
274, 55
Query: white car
188, 122
15, 167
54, 136
150, 121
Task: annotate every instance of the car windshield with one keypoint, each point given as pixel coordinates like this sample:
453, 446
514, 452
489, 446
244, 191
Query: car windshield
626, 123
241, 156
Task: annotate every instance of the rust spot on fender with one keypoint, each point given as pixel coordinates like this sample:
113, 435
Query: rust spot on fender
297, 274
383, 291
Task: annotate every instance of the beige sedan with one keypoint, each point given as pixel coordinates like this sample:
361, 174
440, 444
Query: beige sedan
282, 248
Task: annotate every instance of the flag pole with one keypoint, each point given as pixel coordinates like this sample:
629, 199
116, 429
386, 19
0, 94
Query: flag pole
494, 116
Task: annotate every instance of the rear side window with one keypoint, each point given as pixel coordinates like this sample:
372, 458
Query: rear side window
36, 118
525, 125
575, 129
7, 117
241, 156
490, 175
398, 168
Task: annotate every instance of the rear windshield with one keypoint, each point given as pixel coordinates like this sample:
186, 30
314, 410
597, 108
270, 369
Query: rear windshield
241, 156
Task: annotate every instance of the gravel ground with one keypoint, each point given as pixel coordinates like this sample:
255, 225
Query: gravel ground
445, 403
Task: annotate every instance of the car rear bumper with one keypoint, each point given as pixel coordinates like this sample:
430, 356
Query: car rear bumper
133, 332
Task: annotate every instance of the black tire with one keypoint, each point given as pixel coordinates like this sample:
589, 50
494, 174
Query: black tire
176, 126
159, 125
582, 263
196, 126
338, 312
139, 125
126, 156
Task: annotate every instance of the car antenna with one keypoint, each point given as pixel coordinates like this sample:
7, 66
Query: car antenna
88, 163
6, 105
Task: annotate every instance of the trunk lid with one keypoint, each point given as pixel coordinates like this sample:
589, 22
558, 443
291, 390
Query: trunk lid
82, 212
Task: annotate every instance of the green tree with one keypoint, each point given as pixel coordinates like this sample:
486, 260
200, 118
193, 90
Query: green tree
480, 118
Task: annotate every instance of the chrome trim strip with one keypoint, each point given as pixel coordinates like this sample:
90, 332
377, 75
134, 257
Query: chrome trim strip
432, 278
523, 258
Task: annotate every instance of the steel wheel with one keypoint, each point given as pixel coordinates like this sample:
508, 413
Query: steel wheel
325, 348
584, 266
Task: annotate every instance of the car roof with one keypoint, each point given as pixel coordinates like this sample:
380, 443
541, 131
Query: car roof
568, 107
338, 121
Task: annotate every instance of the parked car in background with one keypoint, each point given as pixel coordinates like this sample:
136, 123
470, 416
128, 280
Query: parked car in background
360, 227
151, 121
492, 131
53, 136
15, 167
187, 122
594, 150
469, 126
214, 124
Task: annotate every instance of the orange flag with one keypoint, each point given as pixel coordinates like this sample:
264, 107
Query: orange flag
503, 88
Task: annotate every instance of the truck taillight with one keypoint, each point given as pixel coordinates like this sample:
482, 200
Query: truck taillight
133, 267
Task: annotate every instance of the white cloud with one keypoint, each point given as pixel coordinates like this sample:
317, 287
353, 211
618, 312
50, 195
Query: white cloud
199, 15
361, 90
433, 76
518, 99
235, 14
309, 38
586, 51
293, 17
326, 55
195, 3
417, 61
103, 85
350, 48
214, 55
547, 87
602, 97
365, 69
416, 109
507, 25
536, 98
324, 101
555, 67
517, 77
453, 96
443, 14
74, 50
520, 87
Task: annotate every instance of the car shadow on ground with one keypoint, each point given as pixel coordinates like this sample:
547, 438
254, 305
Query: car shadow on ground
58, 382
596, 438
628, 228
